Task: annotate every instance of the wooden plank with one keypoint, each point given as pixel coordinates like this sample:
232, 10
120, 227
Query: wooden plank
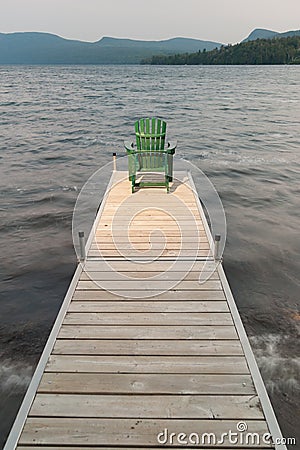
149, 285
142, 211
153, 237
151, 251
152, 200
146, 332
193, 267
147, 364
114, 383
124, 432
196, 253
184, 219
172, 217
152, 196
122, 188
152, 212
172, 204
144, 237
171, 296
176, 200
157, 229
148, 306
113, 205
169, 204
176, 276
182, 225
147, 347
43, 447
167, 208
141, 318
148, 200
148, 245
124, 227
147, 406
151, 215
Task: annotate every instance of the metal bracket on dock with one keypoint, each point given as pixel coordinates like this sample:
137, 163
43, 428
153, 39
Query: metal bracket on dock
82, 245
217, 247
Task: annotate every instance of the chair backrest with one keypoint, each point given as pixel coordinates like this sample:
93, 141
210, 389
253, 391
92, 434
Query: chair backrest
150, 134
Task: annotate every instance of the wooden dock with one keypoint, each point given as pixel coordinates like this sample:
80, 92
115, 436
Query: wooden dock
142, 354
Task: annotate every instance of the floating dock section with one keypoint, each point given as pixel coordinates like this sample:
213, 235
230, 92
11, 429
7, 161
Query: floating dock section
148, 349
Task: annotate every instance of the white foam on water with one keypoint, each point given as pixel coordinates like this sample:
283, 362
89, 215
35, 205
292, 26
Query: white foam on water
14, 376
280, 372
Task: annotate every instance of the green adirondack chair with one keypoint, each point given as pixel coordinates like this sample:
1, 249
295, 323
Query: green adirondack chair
150, 153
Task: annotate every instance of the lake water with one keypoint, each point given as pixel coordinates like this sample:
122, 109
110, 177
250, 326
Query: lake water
240, 125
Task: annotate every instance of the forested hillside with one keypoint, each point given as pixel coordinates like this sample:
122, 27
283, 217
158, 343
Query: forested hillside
261, 51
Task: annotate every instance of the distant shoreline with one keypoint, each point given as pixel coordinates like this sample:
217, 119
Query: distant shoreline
49, 49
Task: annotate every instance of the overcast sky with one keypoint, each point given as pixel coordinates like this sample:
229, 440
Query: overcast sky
226, 21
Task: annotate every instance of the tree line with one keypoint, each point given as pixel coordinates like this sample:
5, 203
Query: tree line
260, 51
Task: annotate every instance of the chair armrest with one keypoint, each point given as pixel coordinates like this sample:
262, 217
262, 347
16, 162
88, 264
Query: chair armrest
130, 147
171, 147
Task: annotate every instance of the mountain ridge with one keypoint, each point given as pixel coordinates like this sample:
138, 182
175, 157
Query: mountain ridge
263, 33
47, 48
